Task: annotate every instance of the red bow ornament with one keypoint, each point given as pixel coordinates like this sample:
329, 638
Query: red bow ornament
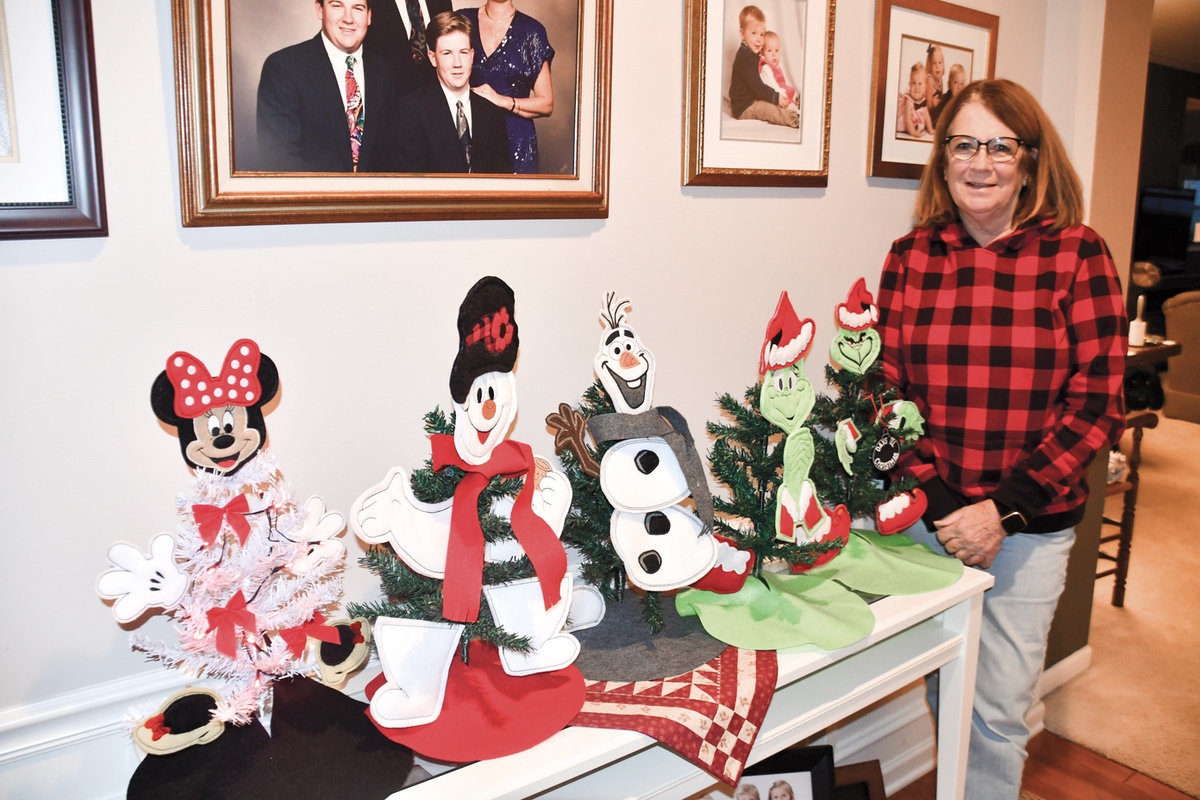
225, 621
196, 391
157, 726
210, 518
297, 637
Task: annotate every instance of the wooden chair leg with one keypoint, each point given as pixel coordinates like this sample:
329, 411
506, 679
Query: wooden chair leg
1128, 509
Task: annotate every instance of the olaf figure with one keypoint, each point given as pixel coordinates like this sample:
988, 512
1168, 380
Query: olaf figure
651, 471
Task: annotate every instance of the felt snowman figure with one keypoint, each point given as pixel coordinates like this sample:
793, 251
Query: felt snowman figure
445, 541
650, 471
786, 399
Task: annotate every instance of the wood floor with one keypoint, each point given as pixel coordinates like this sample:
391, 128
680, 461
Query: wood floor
1061, 770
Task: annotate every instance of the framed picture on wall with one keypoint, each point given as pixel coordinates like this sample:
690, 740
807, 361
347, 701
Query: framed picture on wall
51, 179
757, 101
230, 54
925, 50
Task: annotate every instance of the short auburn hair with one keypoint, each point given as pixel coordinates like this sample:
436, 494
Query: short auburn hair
750, 13
1052, 187
444, 23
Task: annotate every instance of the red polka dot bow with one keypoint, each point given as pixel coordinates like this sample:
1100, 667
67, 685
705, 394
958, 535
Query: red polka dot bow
196, 391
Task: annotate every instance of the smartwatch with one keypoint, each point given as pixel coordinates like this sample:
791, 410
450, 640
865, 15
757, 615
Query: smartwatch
1011, 520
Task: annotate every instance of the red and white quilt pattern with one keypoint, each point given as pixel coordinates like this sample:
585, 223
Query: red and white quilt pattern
710, 716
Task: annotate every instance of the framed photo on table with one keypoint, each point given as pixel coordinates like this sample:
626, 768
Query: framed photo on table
757, 101
924, 50
806, 773
220, 49
51, 178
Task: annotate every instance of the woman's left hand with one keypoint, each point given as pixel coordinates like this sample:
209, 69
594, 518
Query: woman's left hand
972, 534
492, 96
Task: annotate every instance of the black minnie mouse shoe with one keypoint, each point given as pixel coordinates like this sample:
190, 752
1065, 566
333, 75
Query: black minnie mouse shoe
184, 719
351, 651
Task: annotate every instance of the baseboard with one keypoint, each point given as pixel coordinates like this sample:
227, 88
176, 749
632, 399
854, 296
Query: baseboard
897, 732
1063, 671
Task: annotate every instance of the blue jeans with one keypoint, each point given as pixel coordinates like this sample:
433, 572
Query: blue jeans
1030, 571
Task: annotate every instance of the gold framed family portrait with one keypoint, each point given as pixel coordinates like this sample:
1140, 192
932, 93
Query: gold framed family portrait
253, 80
51, 177
757, 101
925, 51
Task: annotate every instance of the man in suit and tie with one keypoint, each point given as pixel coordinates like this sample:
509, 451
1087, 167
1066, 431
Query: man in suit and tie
328, 104
446, 127
398, 31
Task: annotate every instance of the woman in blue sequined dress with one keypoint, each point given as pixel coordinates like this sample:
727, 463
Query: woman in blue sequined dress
512, 70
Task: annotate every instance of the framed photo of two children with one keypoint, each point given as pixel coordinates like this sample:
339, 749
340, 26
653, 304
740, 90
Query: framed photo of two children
925, 51
756, 108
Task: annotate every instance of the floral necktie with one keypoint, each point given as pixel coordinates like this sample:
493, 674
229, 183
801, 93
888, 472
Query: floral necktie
354, 111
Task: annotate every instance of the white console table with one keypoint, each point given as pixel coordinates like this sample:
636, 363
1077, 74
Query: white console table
913, 636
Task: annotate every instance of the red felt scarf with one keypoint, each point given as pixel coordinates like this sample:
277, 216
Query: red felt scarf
464, 558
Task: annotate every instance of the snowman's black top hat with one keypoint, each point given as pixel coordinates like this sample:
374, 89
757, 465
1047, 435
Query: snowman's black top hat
487, 335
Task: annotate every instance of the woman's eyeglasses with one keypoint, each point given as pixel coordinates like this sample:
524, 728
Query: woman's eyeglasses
999, 150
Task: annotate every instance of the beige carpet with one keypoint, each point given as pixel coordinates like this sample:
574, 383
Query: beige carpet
1139, 702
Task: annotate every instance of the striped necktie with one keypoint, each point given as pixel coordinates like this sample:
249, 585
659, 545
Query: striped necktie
464, 133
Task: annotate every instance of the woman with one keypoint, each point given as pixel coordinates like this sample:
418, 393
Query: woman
1002, 319
512, 70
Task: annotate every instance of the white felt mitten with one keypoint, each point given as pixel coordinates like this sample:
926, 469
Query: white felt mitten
419, 532
319, 530
518, 608
416, 657
552, 500
587, 608
142, 582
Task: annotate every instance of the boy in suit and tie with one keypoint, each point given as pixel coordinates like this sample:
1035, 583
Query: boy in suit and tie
446, 127
327, 104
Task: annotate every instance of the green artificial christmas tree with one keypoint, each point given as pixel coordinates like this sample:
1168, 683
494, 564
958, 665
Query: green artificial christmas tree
747, 458
587, 526
858, 401
410, 595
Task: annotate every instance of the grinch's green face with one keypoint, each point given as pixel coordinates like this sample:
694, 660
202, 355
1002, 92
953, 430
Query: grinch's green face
787, 397
855, 350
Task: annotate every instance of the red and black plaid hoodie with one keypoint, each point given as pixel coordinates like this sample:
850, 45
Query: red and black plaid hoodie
1014, 353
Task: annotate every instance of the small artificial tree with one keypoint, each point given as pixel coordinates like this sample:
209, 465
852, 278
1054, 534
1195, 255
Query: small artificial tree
859, 400
587, 526
747, 458
410, 595
234, 638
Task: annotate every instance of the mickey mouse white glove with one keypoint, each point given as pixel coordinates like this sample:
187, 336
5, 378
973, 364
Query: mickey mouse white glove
142, 582
319, 531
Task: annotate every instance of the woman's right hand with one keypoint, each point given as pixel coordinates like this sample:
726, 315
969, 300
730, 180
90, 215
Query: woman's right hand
492, 96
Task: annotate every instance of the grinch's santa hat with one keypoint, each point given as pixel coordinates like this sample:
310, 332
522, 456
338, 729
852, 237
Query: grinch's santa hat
487, 335
788, 339
859, 312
